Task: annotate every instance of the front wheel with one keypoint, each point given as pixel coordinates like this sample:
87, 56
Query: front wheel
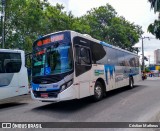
98, 91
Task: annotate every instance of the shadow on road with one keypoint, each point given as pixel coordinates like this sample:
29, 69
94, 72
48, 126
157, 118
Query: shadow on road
75, 105
66, 106
9, 105
122, 90
85, 107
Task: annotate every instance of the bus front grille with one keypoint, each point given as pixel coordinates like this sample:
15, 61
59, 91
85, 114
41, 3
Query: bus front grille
51, 94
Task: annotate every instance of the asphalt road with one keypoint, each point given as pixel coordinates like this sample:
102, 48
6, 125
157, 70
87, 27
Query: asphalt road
140, 104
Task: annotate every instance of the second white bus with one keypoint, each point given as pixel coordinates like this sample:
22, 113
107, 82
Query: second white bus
13, 73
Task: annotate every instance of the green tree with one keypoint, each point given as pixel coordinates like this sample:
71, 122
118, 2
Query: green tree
147, 69
105, 25
123, 33
25, 20
154, 28
155, 4
99, 19
22, 23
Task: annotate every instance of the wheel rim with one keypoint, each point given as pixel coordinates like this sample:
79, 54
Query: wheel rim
98, 91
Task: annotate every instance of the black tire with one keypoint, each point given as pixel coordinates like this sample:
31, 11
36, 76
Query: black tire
131, 82
98, 91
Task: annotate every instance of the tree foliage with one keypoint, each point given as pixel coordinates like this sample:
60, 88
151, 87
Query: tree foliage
26, 20
155, 4
147, 69
154, 28
107, 26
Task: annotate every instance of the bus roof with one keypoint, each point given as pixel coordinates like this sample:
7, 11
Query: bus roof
11, 50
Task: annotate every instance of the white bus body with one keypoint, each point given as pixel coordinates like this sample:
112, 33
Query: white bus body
68, 65
13, 73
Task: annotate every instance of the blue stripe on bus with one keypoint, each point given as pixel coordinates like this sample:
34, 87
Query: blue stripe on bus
105, 44
34, 86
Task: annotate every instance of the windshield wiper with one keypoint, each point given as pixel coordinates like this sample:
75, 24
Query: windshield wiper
46, 80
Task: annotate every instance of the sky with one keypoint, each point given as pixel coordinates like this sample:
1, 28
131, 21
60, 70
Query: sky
136, 11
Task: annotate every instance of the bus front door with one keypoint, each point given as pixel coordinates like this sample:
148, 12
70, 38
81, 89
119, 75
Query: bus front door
83, 72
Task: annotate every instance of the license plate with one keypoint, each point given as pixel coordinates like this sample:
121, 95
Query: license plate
44, 95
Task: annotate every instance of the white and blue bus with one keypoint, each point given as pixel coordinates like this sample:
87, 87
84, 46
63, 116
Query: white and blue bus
13, 73
68, 65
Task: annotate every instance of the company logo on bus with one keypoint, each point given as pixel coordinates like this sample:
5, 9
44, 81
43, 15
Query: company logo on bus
53, 38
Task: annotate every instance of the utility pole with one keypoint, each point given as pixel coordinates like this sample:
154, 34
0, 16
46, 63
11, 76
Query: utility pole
142, 55
3, 22
149, 60
143, 52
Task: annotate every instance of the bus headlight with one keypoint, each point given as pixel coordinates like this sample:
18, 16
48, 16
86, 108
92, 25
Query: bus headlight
63, 87
69, 83
66, 85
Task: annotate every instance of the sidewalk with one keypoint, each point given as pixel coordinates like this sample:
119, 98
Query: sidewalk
153, 78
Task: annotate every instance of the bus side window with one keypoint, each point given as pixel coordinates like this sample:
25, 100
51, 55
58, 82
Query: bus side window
77, 51
83, 56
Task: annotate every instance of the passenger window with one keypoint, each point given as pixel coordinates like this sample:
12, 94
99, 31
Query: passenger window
10, 62
83, 55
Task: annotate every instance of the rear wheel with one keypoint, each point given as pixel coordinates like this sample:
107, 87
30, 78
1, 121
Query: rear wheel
98, 91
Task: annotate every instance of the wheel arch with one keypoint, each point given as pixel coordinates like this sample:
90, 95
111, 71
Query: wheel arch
101, 80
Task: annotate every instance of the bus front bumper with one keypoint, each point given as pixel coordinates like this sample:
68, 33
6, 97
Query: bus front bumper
67, 94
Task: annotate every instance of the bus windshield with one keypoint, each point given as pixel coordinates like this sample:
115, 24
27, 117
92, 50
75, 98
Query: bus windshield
51, 60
